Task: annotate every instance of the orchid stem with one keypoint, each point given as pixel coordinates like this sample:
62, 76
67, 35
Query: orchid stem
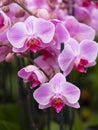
61, 120
72, 115
22, 6
71, 7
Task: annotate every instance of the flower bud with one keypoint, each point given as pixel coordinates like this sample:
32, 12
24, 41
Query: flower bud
43, 13
5, 2
9, 57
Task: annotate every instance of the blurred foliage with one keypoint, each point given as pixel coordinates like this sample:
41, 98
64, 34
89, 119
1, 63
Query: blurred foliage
9, 117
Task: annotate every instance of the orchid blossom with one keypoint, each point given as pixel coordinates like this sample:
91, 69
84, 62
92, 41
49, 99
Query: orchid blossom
57, 93
79, 55
61, 33
48, 60
31, 34
5, 22
79, 31
33, 74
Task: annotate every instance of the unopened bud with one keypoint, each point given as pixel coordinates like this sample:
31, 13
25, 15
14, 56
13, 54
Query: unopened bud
43, 13
6, 2
9, 57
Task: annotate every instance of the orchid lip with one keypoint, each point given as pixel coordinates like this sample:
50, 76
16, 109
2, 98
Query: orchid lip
81, 66
86, 3
1, 21
57, 103
34, 44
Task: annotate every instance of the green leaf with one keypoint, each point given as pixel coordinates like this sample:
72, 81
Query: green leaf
9, 117
9, 113
78, 124
5, 125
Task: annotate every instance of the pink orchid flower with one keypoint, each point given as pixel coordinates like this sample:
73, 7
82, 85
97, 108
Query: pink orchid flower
57, 93
33, 74
82, 14
31, 34
79, 55
94, 19
48, 61
79, 31
5, 22
61, 33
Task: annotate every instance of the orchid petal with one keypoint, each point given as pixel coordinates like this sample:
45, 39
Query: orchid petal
22, 49
26, 71
74, 45
71, 93
89, 50
43, 94
23, 74
30, 68
75, 105
40, 75
44, 30
57, 82
44, 106
30, 23
91, 64
17, 35
85, 32
61, 33
82, 14
72, 25
66, 59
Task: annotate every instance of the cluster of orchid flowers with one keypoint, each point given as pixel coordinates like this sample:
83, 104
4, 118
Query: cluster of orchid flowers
59, 41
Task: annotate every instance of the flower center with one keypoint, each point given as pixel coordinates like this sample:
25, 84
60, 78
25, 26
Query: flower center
57, 103
52, 3
1, 21
81, 66
96, 3
33, 78
86, 3
33, 44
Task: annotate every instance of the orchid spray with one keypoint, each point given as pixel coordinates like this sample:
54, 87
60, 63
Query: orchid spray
34, 31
